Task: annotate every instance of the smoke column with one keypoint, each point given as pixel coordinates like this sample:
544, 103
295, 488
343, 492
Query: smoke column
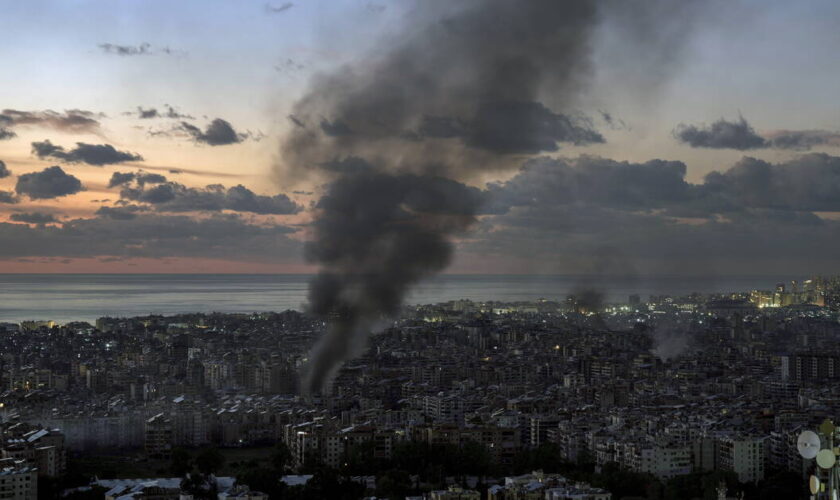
476, 86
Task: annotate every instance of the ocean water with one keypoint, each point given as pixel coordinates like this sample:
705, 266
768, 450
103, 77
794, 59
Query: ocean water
85, 297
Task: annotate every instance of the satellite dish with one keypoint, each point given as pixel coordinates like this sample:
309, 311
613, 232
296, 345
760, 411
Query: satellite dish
814, 484
826, 459
808, 444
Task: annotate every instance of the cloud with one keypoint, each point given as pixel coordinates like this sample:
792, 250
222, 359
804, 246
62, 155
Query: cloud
594, 180
143, 49
808, 183
271, 9
740, 135
33, 217
121, 212
218, 133
72, 121
175, 197
169, 112
802, 140
92, 154
6, 134
721, 134
52, 182
151, 236
142, 178
751, 218
8, 197
289, 66
4, 170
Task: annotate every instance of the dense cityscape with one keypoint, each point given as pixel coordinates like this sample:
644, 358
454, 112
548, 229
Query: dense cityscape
700, 396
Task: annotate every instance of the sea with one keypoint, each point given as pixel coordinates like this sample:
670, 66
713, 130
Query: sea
85, 297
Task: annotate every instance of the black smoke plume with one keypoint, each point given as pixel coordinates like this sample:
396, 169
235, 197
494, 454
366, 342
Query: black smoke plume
471, 87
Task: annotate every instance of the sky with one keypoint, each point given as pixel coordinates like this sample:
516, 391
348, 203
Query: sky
218, 136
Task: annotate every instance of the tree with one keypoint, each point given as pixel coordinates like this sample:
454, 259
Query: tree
280, 457
180, 463
210, 461
262, 479
393, 484
199, 486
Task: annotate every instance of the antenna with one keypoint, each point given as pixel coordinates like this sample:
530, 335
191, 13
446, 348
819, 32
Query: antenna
808, 444
824, 483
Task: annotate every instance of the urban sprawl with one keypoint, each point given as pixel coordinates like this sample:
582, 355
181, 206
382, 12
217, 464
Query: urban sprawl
700, 396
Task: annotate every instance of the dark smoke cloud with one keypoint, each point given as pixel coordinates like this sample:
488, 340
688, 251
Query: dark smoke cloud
721, 134
455, 95
52, 182
92, 154
472, 87
375, 235
218, 133
73, 121
4, 170
33, 217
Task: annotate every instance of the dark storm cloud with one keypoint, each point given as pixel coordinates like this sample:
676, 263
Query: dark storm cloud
218, 133
721, 134
8, 197
740, 135
598, 181
802, 140
470, 87
808, 183
74, 121
175, 197
271, 9
6, 134
754, 214
142, 178
52, 182
92, 154
121, 212
150, 236
4, 170
33, 217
